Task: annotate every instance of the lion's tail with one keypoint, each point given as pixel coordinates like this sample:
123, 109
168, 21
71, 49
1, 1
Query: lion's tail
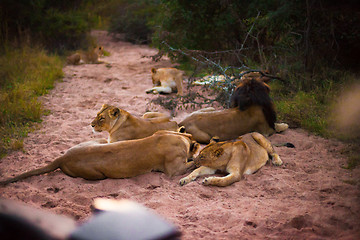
48, 168
285, 144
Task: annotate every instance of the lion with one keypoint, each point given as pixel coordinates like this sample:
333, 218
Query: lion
166, 80
91, 56
121, 125
164, 151
245, 155
252, 110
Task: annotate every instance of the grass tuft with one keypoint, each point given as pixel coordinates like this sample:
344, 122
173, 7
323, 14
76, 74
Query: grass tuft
25, 74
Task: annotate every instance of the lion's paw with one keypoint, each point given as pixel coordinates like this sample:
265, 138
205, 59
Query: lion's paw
277, 160
153, 91
184, 181
207, 181
280, 127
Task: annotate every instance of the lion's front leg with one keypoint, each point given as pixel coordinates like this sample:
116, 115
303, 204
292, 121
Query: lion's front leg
222, 181
160, 89
196, 173
151, 90
233, 169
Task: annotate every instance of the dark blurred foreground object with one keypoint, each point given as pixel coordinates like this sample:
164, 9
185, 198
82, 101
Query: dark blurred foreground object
19, 221
126, 220
112, 220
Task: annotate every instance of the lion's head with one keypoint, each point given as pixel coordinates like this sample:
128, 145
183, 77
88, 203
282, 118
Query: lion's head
252, 92
99, 50
155, 78
106, 118
211, 153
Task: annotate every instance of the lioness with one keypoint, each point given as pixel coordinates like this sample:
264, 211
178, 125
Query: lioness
164, 151
166, 80
121, 125
245, 155
252, 111
91, 56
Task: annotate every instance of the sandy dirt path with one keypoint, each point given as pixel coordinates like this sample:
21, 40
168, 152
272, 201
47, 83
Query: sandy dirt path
310, 197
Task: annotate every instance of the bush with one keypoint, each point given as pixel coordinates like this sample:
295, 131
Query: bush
25, 74
57, 25
132, 19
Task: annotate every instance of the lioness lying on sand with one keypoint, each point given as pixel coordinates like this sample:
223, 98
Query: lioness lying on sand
164, 151
166, 80
252, 110
121, 125
91, 56
245, 155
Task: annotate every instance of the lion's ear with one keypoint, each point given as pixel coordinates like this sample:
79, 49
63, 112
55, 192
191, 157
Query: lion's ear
181, 129
113, 113
153, 70
104, 106
194, 146
215, 139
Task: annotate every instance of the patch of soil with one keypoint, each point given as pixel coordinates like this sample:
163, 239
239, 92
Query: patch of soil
308, 197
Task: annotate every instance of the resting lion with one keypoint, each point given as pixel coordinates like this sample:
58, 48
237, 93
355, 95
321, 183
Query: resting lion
121, 125
245, 155
166, 80
164, 151
252, 110
91, 56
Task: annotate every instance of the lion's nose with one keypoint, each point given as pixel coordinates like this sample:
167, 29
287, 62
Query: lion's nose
92, 124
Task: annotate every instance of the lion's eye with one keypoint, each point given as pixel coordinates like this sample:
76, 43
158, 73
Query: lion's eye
101, 119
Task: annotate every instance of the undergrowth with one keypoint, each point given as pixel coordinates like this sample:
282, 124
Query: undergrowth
25, 74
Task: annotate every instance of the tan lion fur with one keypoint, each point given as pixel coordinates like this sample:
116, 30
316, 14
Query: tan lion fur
245, 155
121, 125
252, 111
91, 56
228, 124
166, 80
164, 151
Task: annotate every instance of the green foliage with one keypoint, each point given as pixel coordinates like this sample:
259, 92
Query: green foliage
276, 34
25, 74
67, 30
132, 19
57, 25
205, 25
304, 110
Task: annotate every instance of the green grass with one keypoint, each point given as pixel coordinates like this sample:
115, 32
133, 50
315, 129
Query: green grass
312, 110
25, 74
305, 111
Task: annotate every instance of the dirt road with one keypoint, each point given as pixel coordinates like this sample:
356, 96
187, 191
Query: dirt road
310, 197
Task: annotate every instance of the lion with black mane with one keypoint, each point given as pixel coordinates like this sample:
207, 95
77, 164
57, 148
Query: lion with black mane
251, 110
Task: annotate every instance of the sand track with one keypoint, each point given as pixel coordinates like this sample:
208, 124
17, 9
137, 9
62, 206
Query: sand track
310, 197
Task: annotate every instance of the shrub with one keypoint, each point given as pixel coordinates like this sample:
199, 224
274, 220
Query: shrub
25, 74
57, 25
132, 19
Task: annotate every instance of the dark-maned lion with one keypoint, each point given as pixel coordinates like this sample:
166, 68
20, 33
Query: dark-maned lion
252, 110
164, 151
245, 155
